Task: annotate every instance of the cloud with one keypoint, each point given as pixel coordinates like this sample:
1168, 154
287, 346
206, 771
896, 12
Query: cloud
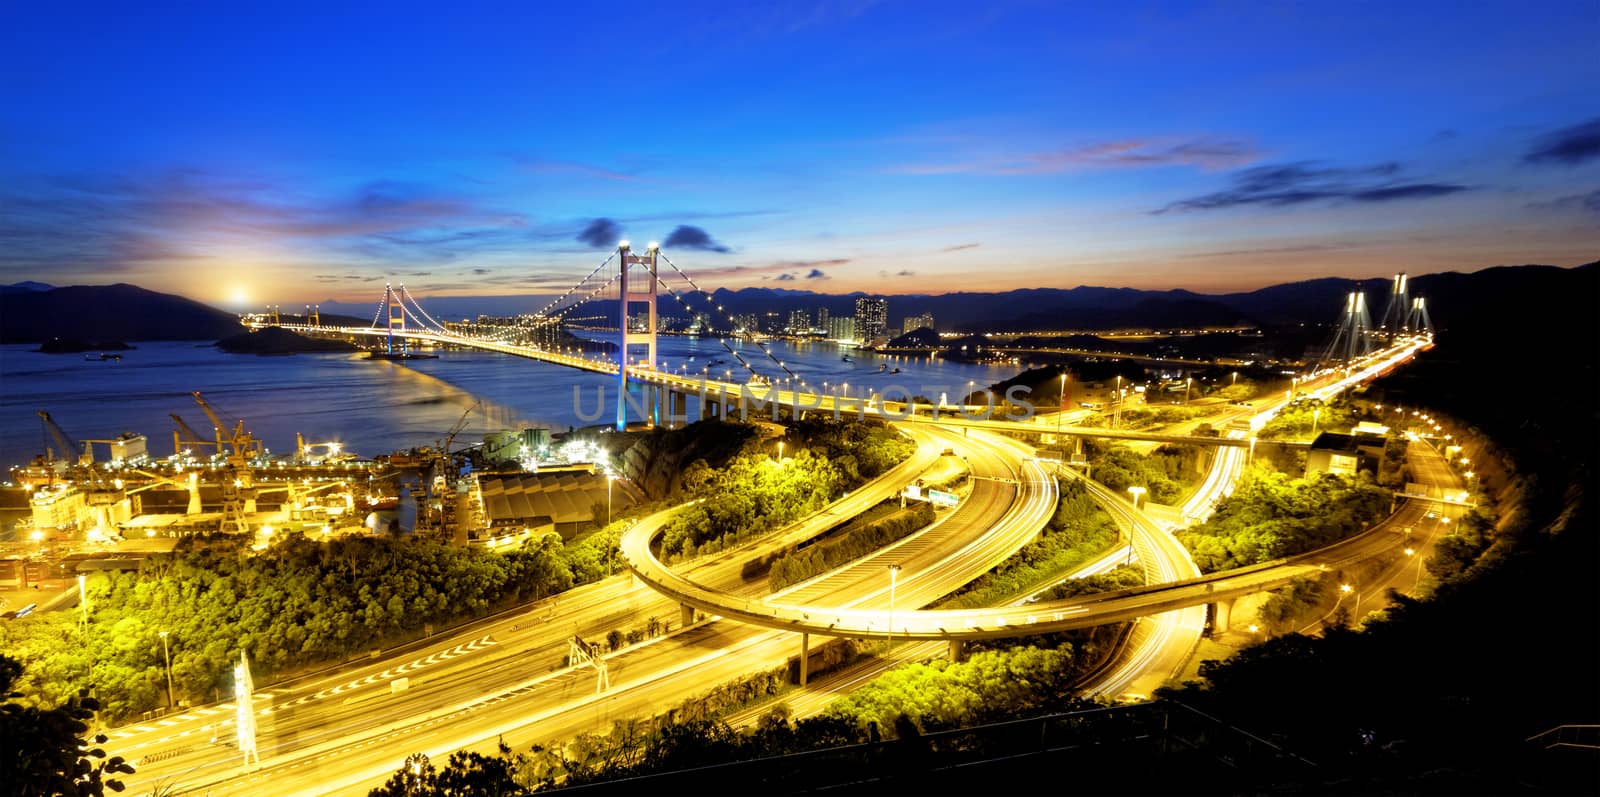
601, 233
568, 167
767, 269
785, 277
1131, 153
480, 271
959, 247
905, 272
816, 274
1589, 203
1286, 184
107, 223
690, 237
1570, 145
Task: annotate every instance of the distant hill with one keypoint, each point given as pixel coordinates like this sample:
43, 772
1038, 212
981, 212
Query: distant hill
29, 285
1451, 296
108, 313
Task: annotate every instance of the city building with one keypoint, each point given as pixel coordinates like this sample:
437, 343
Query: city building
799, 323
872, 319
842, 328
822, 320
916, 322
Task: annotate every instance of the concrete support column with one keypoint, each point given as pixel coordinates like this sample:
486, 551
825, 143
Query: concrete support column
686, 614
677, 409
805, 657
1221, 615
958, 650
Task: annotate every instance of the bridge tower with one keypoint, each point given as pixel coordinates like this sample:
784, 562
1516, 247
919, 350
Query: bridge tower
396, 314
1397, 315
630, 293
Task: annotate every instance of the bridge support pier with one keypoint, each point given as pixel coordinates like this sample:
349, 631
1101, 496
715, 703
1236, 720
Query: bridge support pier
686, 614
805, 657
1221, 616
958, 650
677, 409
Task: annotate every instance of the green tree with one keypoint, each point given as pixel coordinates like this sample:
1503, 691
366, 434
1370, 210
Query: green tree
44, 751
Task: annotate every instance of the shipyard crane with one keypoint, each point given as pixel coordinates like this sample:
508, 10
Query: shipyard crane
189, 436
190, 485
69, 447
238, 481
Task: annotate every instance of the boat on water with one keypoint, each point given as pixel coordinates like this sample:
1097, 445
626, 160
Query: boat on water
846, 358
373, 503
101, 357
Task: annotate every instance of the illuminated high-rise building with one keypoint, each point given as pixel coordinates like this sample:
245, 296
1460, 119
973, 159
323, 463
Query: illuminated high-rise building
872, 318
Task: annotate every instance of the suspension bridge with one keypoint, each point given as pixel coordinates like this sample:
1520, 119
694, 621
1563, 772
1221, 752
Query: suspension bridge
634, 281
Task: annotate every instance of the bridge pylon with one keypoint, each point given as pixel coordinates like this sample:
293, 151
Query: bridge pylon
396, 315
630, 293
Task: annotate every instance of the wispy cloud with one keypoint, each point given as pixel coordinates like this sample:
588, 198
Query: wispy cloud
1589, 203
108, 223
540, 166
1569, 145
1122, 154
816, 274
959, 247
1286, 184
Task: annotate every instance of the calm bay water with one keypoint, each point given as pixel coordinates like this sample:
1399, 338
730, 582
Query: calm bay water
372, 406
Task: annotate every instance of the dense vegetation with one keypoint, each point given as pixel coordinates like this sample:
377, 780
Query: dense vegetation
1120, 577
1270, 515
870, 531
1167, 472
294, 603
1078, 531
45, 751
755, 493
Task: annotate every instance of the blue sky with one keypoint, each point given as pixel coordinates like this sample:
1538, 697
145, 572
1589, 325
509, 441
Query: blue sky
305, 153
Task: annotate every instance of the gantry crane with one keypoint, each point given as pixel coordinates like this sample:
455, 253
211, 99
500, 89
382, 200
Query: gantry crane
238, 481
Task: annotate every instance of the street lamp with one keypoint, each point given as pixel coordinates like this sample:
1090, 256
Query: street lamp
1060, 411
1315, 412
894, 570
83, 604
167, 655
1347, 589
1137, 491
610, 477
780, 452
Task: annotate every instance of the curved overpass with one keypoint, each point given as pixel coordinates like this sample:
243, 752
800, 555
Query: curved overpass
989, 623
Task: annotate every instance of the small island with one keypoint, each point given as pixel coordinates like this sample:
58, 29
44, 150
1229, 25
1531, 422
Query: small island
277, 341
77, 346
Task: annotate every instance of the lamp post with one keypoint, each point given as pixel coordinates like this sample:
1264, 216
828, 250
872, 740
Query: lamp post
1188, 382
83, 604
1315, 412
1136, 491
1116, 409
610, 477
894, 570
167, 656
780, 452
1355, 613
1061, 410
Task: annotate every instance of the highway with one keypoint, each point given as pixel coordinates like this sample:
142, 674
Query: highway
508, 684
346, 731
